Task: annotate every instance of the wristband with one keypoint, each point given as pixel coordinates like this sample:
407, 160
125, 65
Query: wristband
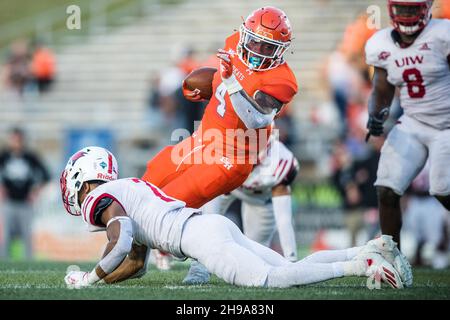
232, 84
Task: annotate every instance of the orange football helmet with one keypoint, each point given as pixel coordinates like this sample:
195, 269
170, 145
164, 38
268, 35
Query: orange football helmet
264, 38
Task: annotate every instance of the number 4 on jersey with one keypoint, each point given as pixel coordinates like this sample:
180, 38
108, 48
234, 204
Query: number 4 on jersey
220, 96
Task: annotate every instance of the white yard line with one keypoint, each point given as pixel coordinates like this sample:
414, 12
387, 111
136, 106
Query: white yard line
28, 271
29, 286
196, 288
62, 286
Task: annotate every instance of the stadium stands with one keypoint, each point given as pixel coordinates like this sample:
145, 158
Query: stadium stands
103, 80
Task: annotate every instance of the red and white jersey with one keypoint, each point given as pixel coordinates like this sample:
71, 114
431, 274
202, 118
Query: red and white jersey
274, 167
420, 71
157, 218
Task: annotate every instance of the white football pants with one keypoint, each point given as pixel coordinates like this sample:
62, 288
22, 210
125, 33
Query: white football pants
258, 222
218, 244
405, 152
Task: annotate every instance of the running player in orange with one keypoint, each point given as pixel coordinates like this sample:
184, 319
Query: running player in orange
252, 85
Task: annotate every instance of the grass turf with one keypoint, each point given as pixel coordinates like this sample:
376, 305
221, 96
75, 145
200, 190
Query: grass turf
44, 280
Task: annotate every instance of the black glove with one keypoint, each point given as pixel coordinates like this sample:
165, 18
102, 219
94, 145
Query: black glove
375, 123
375, 126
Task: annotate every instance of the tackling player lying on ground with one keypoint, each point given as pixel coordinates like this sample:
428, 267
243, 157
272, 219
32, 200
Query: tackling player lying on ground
137, 216
266, 204
413, 56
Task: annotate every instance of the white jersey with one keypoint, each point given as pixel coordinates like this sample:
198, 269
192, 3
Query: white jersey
157, 218
273, 169
420, 71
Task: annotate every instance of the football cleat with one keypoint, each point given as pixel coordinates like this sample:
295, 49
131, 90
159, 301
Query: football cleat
197, 274
389, 250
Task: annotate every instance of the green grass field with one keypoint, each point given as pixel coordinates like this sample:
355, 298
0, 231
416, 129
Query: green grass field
44, 280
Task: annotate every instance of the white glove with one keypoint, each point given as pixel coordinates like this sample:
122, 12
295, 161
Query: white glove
77, 279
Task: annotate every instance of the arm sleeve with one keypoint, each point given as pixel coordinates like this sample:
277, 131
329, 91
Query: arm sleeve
282, 210
250, 116
122, 247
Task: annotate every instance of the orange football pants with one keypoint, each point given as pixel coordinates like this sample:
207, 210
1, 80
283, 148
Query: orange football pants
181, 177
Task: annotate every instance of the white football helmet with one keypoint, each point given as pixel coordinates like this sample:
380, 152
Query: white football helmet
88, 164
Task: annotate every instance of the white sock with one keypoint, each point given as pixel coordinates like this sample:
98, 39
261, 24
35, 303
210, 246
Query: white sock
338, 269
353, 268
353, 252
301, 273
328, 256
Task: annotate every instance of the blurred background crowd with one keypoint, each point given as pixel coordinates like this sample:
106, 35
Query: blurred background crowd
116, 82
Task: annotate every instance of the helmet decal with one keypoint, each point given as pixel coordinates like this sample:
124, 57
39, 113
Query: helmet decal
77, 156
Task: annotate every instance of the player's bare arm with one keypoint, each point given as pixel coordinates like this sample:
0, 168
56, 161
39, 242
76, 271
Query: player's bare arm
383, 92
119, 233
380, 101
264, 102
281, 190
133, 266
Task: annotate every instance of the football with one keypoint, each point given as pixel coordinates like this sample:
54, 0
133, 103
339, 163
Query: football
201, 79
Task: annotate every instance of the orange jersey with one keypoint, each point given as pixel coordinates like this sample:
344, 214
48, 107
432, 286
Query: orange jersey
175, 169
279, 82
